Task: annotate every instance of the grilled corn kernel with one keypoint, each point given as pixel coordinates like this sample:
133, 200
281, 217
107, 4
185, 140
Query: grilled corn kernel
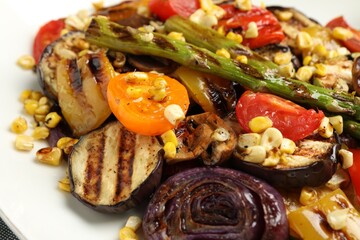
173, 113
159, 83
260, 124
284, 15
320, 50
177, 36
287, 146
170, 150
346, 157
31, 105
244, 5
133, 222
254, 154
134, 92
39, 118
66, 144
252, 31
206, 5
282, 58
308, 196
136, 77
242, 59
19, 125
341, 85
304, 40
64, 184
337, 123
169, 136
320, 69
42, 110
341, 33
223, 52
325, 129
52, 119
146, 36
307, 60
49, 155
235, 37
127, 233
221, 30
337, 219
271, 138
26, 62
272, 160
157, 94
25, 95
40, 132
36, 95
220, 135
305, 73
287, 70
248, 140
24, 143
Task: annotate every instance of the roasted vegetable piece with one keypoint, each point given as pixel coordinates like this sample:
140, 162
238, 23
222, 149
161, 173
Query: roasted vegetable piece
332, 217
356, 75
112, 169
167, 8
354, 171
215, 203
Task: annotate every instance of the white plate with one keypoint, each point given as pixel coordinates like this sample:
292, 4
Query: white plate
30, 201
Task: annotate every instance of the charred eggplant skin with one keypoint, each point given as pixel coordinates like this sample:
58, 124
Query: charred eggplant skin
215, 203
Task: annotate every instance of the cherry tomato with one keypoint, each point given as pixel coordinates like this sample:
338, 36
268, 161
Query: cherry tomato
269, 28
133, 105
46, 35
354, 171
353, 44
294, 121
167, 8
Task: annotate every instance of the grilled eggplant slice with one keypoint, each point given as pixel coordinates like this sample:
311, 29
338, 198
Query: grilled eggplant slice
112, 169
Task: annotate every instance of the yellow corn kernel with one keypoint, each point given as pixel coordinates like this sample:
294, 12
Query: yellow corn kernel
159, 83
127, 233
284, 15
49, 155
341, 33
40, 132
169, 136
19, 125
254, 154
174, 113
133, 222
36, 95
287, 70
223, 52
248, 140
206, 5
136, 77
245, 5
308, 196
320, 50
287, 146
341, 85
221, 30
307, 60
347, 158
25, 95
325, 129
42, 110
30, 106
44, 101
134, 92
272, 160
52, 119
39, 118
282, 58
203, 18
170, 150
24, 143
252, 31
64, 184
305, 73
260, 124
337, 123
337, 219
66, 144
242, 59
271, 138
235, 37
332, 54
157, 94
26, 62
320, 69
304, 40
177, 36
220, 134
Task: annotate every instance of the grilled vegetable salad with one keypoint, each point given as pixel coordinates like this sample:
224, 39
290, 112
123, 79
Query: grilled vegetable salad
228, 120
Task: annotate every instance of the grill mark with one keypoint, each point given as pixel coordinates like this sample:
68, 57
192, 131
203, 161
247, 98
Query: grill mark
93, 171
163, 43
125, 164
75, 76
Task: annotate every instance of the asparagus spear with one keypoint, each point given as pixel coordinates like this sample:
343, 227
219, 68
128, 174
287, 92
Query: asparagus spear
126, 39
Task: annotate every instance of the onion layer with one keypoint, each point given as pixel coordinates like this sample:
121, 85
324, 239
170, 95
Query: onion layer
215, 203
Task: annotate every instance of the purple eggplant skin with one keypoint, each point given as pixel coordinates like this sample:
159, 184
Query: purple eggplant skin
215, 203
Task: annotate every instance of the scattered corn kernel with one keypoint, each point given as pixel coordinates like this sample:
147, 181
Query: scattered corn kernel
133, 222
127, 233
24, 143
284, 15
325, 129
40, 132
242, 59
287, 70
25, 95
52, 119
221, 30
169, 136
254, 154
307, 60
337, 123
271, 138
234, 36
42, 110
282, 58
337, 219
146, 36
136, 77
287, 146
341, 33
170, 150
341, 85
308, 196
64, 184
248, 140
304, 40
271, 160
134, 92
66, 144
49, 155
19, 125
347, 158
223, 52
320, 69
245, 5
260, 124
36, 95
177, 36
220, 135
252, 31
98, 4
173, 113
320, 50
157, 94
31, 105
26, 62
305, 73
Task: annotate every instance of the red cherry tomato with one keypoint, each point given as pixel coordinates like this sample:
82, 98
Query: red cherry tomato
294, 121
46, 35
353, 44
354, 171
269, 28
167, 8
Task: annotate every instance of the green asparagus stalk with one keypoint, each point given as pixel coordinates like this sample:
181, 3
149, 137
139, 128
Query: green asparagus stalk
129, 40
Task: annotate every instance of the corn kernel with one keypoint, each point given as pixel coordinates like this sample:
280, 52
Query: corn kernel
133, 222
136, 77
49, 155
39, 118
26, 62
254, 154
284, 15
221, 30
347, 158
272, 160
260, 124
220, 135
320, 69
66, 144
52, 119
235, 37
341, 85
337, 123
305, 73
134, 92
30, 106
177, 36
19, 125
271, 138
307, 60
206, 5
252, 31
242, 59
244, 5
308, 196
127, 233
223, 52
170, 150
24, 143
325, 129
36, 95
25, 95
173, 113
42, 110
40, 132
44, 101
341, 33
248, 140
287, 146
287, 70
337, 219
64, 184
157, 94
304, 40
169, 136
282, 58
